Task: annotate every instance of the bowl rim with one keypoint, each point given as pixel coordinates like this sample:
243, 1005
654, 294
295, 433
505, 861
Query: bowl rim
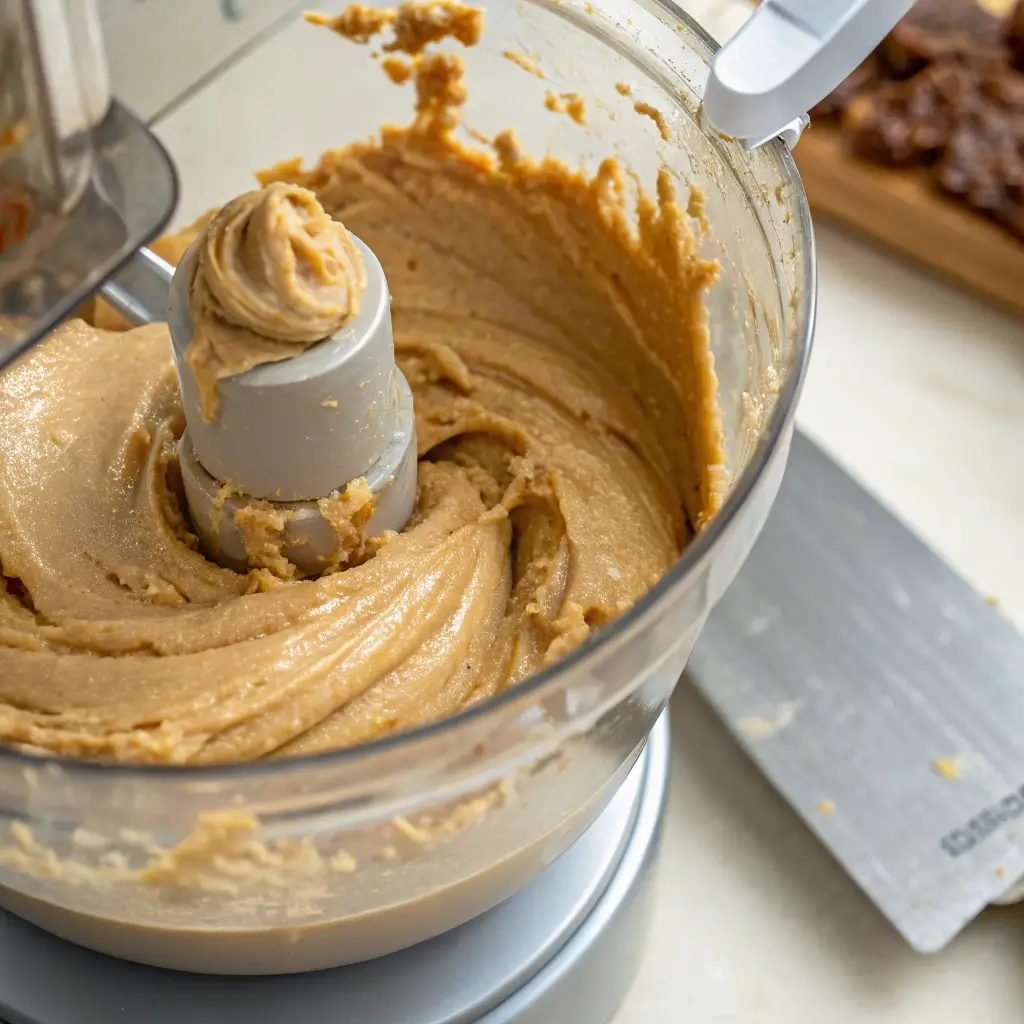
689, 564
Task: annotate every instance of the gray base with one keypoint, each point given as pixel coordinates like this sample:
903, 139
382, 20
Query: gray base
565, 948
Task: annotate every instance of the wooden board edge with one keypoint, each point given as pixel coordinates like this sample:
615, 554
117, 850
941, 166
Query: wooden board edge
903, 211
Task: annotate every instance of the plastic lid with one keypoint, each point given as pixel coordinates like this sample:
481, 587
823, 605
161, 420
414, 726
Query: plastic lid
790, 55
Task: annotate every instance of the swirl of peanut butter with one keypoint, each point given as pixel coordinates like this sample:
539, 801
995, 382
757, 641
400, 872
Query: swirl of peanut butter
569, 437
275, 274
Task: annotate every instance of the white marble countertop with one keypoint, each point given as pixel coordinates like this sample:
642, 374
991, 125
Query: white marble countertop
915, 388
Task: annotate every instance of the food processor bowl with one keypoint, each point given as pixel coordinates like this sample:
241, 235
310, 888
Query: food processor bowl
296, 865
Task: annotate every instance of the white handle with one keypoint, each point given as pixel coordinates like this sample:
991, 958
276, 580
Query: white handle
790, 55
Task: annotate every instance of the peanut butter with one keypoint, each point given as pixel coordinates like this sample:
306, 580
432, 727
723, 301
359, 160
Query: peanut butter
556, 342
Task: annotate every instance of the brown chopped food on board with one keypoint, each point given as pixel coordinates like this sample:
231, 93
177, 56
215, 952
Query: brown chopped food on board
984, 161
945, 91
941, 30
909, 120
1015, 36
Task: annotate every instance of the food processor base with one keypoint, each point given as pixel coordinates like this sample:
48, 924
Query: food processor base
564, 948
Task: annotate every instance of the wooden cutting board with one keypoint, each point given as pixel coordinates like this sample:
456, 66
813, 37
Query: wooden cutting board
902, 211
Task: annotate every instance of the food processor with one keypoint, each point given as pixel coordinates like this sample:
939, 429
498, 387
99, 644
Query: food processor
496, 866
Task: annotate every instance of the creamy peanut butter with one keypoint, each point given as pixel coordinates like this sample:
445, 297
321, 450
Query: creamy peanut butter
274, 275
569, 441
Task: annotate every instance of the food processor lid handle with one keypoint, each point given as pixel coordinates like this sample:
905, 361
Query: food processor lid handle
787, 57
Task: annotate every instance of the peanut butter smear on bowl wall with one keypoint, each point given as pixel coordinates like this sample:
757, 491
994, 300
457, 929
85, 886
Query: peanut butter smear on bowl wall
555, 338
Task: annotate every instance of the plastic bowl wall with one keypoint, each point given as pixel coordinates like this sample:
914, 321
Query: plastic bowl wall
320, 861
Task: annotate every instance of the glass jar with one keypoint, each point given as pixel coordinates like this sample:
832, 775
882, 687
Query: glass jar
319, 861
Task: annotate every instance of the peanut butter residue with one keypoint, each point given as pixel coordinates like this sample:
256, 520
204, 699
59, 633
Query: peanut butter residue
524, 61
646, 110
414, 25
275, 274
271, 544
570, 103
225, 854
947, 767
13, 135
553, 329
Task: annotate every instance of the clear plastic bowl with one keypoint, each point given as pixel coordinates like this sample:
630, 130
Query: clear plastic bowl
339, 857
